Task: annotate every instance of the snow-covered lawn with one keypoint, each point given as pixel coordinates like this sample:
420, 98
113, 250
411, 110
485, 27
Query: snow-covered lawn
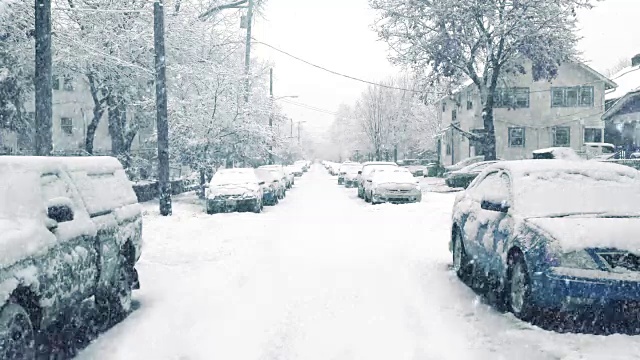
320, 276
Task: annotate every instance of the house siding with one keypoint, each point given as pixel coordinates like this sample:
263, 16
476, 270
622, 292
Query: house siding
538, 119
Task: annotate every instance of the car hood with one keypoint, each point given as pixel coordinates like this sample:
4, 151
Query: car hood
583, 233
233, 189
22, 238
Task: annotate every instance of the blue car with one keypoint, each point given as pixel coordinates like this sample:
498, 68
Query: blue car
552, 234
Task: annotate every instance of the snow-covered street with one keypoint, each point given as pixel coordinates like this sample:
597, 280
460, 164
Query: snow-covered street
321, 276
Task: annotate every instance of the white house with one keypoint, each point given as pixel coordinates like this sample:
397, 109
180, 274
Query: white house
72, 110
528, 114
622, 113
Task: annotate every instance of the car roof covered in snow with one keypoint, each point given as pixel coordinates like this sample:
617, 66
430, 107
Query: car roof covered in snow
521, 168
90, 164
379, 163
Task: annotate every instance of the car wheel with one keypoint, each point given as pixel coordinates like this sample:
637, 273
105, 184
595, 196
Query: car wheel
518, 288
115, 303
460, 260
210, 209
366, 198
360, 192
18, 337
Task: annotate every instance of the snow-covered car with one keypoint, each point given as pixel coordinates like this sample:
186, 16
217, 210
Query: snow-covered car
236, 189
416, 166
393, 186
303, 164
334, 169
71, 231
283, 180
368, 184
466, 162
463, 177
558, 153
347, 166
551, 234
351, 176
291, 176
269, 185
365, 173
296, 170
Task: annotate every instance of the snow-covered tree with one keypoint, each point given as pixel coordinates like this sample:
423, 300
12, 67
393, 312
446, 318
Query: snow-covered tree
480, 40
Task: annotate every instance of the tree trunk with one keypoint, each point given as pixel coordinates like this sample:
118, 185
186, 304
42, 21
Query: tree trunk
395, 153
91, 129
489, 143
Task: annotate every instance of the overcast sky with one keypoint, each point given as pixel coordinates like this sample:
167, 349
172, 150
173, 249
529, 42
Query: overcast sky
337, 34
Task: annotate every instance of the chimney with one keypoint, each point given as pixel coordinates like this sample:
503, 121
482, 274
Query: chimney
635, 61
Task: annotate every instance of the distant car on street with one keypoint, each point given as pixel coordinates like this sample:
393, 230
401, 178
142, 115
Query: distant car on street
558, 153
347, 166
463, 177
236, 189
393, 186
283, 180
418, 167
270, 187
367, 169
466, 162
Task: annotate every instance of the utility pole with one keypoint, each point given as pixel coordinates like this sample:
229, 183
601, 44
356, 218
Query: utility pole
43, 88
247, 53
271, 116
164, 186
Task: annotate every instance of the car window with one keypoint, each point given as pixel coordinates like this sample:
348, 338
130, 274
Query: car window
495, 185
54, 188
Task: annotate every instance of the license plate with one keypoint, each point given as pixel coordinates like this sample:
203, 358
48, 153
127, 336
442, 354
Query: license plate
231, 203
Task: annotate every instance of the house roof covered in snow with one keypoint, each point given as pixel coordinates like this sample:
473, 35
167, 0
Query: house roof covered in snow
628, 80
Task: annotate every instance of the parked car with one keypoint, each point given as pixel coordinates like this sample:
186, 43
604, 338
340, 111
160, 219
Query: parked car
551, 234
599, 151
269, 185
71, 232
463, 177
236, 189
559, 153
393, 186
283, 181
351, 176
365, 173
291, 176
334, 169
304, 164
466, 162
296, 170
416, 166
347, 166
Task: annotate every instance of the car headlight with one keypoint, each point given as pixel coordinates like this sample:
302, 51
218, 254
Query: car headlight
578, 260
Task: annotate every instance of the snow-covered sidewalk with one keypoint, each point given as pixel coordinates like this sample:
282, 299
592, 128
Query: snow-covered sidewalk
320, 276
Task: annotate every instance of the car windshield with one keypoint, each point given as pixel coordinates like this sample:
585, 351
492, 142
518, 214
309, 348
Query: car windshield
394, 176
224, 177
560, 193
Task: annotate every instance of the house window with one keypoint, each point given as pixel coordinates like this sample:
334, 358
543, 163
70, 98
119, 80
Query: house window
517, 97
576, 96
68, 83
593, 135
454, 115
447, 141
469, 99
561, 136
55, 82
444, 106
66, 124
516, 137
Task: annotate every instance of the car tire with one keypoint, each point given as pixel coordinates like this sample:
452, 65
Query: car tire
19, 341
210, 210
518, 289
461, 264
114, 304
366, 198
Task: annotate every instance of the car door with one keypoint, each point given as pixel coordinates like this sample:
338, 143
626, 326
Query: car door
471, 219
73, 261
489, 233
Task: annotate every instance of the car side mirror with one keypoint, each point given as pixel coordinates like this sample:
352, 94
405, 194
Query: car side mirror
275, 181
369, 180
359, 172
60, 213
493, 205
261, 183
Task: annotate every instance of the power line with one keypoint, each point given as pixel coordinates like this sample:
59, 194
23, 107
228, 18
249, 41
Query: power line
340, 74
310, 107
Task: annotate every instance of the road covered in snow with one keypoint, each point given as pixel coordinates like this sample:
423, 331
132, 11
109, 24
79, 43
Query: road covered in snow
321, 276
